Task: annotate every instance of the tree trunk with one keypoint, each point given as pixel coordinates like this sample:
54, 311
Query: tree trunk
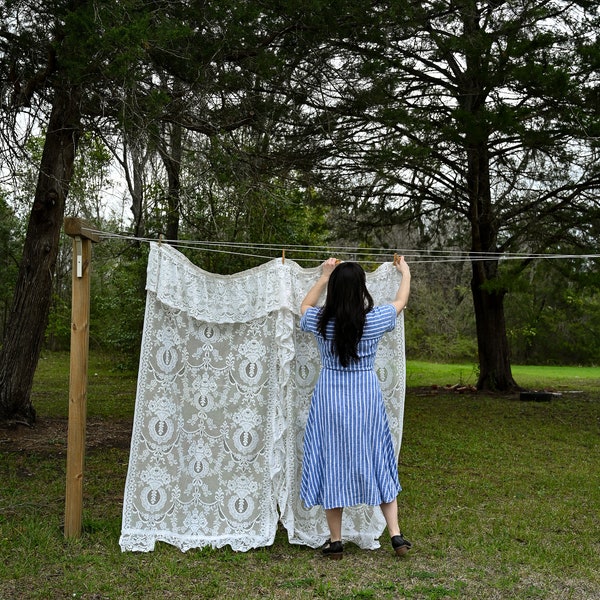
171, 154
134, 175
488, 296
29, 313
494, 363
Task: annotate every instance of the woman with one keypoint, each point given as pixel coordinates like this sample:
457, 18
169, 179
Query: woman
348, 449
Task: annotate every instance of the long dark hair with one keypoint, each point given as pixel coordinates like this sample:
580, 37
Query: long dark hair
348, 302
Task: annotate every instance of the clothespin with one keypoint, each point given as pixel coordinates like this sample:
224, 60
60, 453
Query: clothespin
396, 258
283, 256
160, 239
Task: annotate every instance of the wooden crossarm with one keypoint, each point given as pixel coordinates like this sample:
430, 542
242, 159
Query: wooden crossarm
76, 227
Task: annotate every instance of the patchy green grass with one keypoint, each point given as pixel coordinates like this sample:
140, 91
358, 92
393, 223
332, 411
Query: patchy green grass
571, 379
111, 390
501, 499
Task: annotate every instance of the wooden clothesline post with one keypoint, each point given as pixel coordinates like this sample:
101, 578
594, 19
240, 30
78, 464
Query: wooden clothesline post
80, 330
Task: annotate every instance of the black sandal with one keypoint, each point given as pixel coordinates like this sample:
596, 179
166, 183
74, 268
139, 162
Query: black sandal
333, 550
400, 545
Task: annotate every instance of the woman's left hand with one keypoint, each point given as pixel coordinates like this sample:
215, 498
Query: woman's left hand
313, 295
329, 265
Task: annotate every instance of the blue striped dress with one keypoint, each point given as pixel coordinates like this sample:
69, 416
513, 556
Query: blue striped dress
349, 454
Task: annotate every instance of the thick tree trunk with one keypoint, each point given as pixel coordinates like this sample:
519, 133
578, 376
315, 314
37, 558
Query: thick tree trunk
494, 362
488, 297
29, 313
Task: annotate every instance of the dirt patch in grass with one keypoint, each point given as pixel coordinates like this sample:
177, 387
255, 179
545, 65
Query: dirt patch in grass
49, 435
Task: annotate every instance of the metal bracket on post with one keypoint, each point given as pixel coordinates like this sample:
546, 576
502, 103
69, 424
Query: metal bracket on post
79, 256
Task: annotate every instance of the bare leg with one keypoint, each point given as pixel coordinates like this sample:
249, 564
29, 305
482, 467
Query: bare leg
334, 521
390, 514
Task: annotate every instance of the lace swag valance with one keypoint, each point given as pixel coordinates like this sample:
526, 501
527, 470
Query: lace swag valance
223, 391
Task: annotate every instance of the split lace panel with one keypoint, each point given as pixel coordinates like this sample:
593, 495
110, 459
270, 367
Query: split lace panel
223, 392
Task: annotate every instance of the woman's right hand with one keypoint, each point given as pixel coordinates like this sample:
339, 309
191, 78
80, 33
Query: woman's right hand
404, 290
401, 265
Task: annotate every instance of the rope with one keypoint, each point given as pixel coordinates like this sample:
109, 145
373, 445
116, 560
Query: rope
414, 256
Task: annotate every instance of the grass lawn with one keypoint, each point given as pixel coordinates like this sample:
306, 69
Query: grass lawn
501, 500
568, 379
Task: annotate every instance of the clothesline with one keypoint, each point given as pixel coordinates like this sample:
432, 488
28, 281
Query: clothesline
414, 256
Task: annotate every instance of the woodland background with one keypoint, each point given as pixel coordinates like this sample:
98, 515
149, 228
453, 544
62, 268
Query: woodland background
425, 127
553, 309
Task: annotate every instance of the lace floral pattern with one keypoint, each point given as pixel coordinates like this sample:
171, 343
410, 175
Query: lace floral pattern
222, 398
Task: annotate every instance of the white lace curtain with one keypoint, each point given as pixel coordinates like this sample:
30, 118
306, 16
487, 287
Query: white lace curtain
223, 391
